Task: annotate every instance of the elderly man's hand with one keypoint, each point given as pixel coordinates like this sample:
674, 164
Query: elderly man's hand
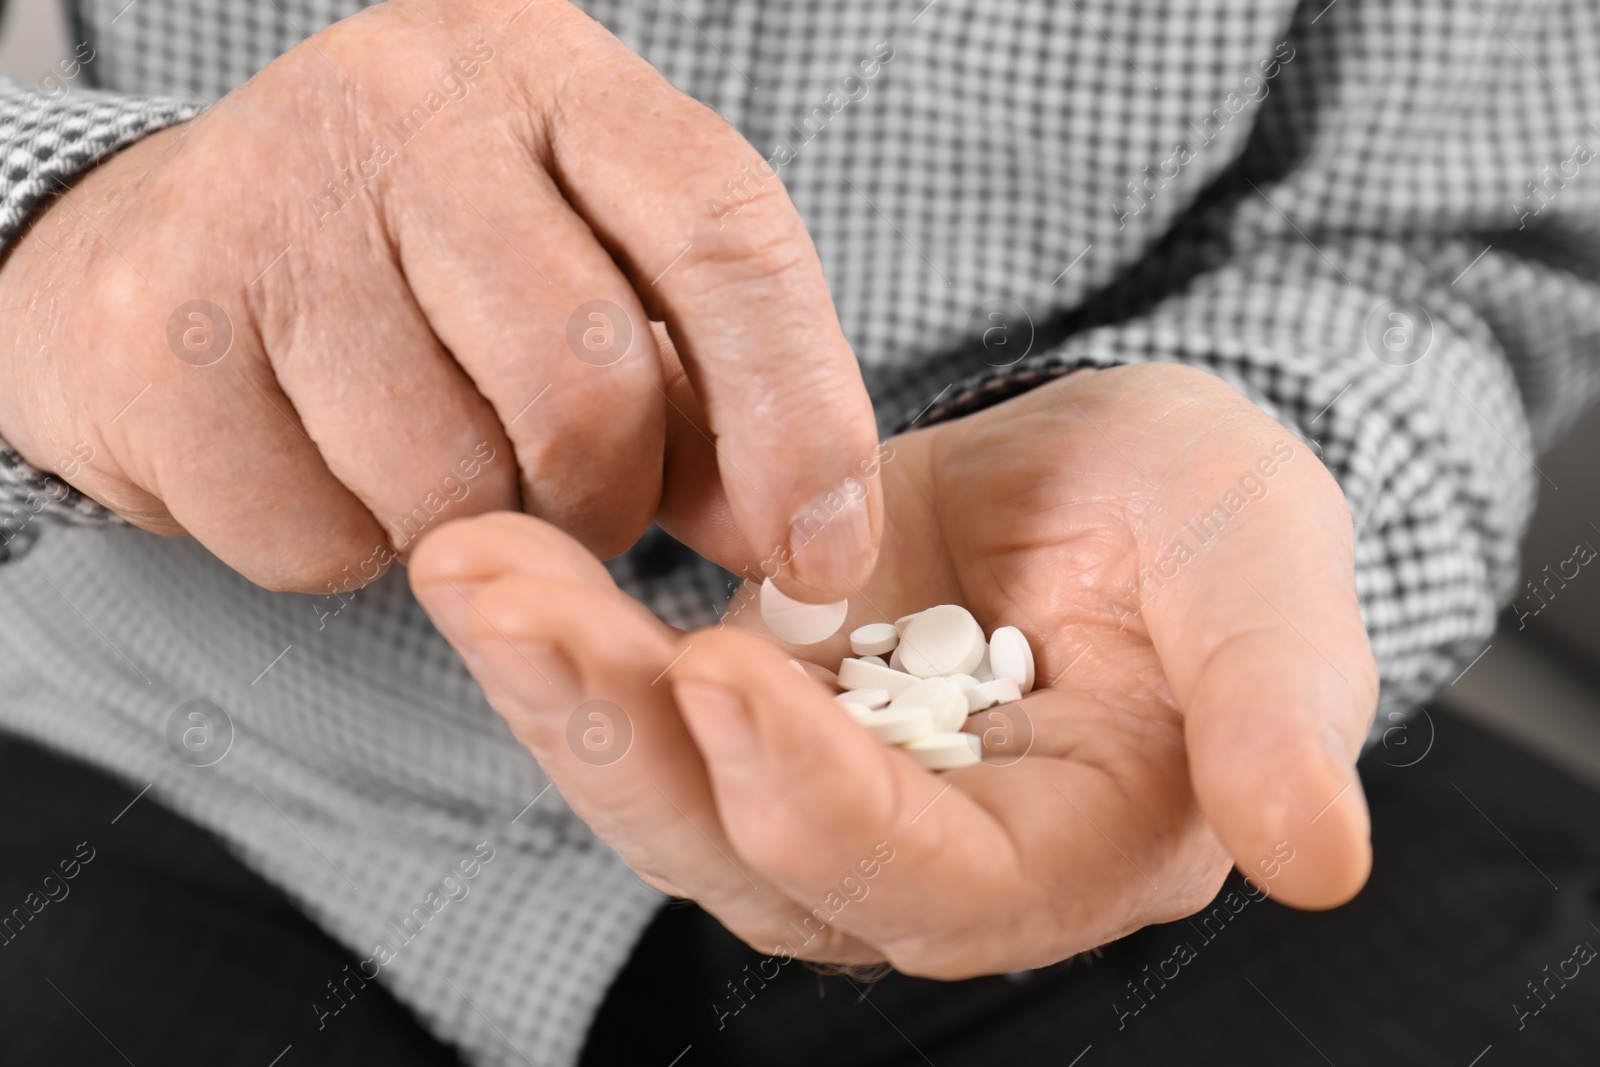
1184, 568
404, 275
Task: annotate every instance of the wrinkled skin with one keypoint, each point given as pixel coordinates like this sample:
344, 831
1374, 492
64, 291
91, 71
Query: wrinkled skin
1214, 727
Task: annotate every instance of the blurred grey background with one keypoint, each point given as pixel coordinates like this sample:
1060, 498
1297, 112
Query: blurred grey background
33, 36
1537, 684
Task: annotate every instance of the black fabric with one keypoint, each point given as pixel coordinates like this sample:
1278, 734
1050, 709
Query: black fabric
162, 948
1428, 966
172, 953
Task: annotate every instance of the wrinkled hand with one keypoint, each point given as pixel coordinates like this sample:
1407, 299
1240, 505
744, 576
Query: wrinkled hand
390, 281
1197, 707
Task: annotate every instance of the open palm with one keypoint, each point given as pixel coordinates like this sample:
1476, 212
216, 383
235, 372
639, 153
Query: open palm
1183, 568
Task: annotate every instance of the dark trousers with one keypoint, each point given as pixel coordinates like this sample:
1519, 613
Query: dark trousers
1470, 948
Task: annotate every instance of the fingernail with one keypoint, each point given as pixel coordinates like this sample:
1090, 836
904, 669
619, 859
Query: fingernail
537, 673
830, 542
1344, 768
723, 726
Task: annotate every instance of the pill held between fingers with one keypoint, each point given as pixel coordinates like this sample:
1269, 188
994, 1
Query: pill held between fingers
942, 640
797, 622
1011, 656
856, 674
944, 751
859, 712
866, 698
942, 699
874, 639
818, 672
892, 726
988, 694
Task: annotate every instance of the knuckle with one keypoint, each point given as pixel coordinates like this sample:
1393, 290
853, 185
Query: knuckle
767, 242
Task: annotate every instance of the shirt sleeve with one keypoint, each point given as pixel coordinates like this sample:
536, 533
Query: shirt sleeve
50, 137
1399, 267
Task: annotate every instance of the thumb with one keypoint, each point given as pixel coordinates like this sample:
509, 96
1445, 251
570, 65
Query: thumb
1262, 640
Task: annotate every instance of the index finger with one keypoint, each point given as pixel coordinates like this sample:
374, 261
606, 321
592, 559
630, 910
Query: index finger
745, 300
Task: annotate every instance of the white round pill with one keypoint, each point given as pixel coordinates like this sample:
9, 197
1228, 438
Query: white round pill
797, 622
1010, 656
858, 674
875, 660
865, 698
874, 639
894, 658
942, 640
902, 622
892, 726
988, 694
941, 697
945, 751
963, 681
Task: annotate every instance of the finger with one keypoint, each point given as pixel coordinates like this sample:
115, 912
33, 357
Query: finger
694, 505
537, 313
747, 303
1264, 647
393, 417
546, 637
180, 443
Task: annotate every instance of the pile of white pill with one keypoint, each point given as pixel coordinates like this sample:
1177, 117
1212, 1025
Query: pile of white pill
939, 670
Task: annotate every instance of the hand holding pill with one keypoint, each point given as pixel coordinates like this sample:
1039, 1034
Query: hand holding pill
1188, 710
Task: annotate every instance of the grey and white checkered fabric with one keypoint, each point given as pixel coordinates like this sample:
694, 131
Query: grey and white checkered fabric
1240, 186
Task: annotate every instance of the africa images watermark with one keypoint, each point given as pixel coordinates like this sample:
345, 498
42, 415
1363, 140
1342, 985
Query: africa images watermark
453, 86
852, 493
1200, 532
452, 888
853, 886
1250, 90
1540, 595
851, 89
17, 521
1552, 179
1225, 908
454, 487
53, 889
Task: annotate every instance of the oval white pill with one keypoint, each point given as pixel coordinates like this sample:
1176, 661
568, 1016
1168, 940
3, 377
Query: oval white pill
874, 639
797, 622
1010, 656
891, 726
941, 697
942, 640
866, 698
858, 674
988, 694
945, 751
